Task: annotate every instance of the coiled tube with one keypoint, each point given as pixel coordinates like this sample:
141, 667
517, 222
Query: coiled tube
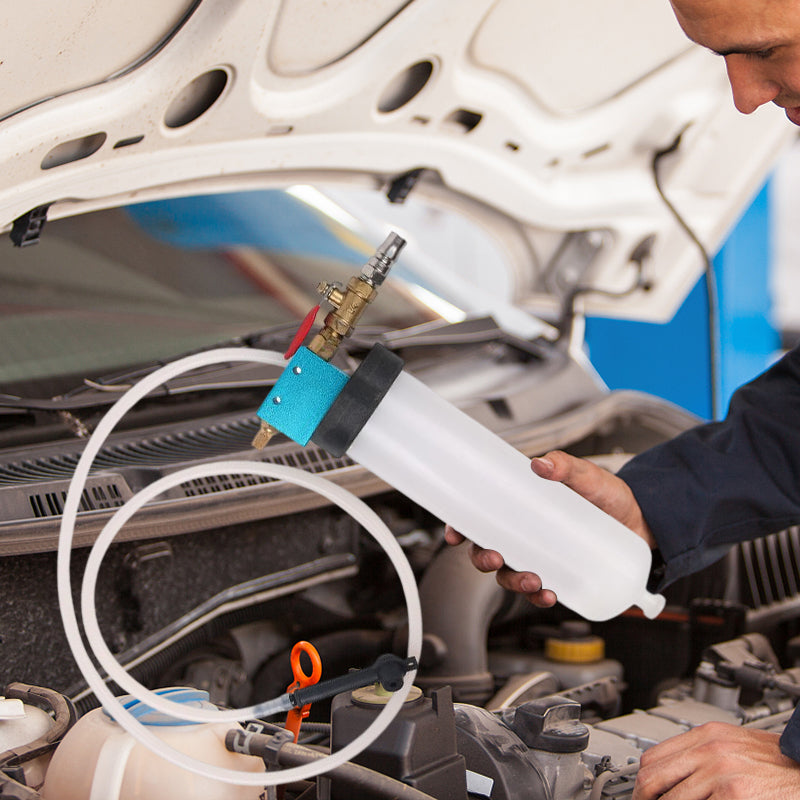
360, 511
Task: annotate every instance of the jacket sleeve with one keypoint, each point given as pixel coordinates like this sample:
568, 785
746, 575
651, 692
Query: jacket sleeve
725, 482
790, 738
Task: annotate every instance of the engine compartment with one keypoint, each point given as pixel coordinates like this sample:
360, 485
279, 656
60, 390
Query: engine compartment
509, 696
209, 589
536, 743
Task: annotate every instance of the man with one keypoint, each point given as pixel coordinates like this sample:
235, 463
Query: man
691, 498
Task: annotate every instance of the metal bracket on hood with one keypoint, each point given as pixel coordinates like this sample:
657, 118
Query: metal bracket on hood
575, 255
401, 186
27, 228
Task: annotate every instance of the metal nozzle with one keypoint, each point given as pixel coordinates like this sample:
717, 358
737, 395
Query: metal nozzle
379, 264
263, 436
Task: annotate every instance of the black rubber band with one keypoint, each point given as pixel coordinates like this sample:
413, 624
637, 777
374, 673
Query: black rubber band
358, 400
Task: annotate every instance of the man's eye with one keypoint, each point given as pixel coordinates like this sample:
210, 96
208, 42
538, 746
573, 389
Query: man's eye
762, 55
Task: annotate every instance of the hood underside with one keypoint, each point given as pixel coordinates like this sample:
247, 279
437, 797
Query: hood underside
538, 121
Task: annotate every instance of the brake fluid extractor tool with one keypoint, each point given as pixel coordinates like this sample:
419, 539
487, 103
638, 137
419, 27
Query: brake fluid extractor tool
451, 465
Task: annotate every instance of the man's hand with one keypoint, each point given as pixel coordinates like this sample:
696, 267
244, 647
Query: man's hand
718, 761
597, 485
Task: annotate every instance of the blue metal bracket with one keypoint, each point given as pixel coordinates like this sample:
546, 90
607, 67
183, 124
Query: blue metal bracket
302, 395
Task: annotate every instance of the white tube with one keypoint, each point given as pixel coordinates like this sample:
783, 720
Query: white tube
72, 630
472, 479
341, 497
110, 768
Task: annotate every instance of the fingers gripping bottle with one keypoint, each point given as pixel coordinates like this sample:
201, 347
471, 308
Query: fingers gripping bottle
414, 440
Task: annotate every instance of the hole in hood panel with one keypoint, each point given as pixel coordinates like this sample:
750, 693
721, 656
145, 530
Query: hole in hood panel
73, 150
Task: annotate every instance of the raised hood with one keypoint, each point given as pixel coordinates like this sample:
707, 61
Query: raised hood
536, 120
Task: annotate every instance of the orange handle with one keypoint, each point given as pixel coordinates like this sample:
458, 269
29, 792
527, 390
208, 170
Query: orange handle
301, 680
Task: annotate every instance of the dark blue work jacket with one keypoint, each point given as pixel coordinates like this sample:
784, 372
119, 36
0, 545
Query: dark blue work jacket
726, 482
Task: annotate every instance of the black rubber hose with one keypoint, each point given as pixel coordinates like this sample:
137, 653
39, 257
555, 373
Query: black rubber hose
349, 775
339, 651
64, 717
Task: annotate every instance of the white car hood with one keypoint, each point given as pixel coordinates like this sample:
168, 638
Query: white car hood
533, 118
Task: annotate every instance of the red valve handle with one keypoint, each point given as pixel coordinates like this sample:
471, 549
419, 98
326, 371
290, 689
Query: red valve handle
302, 332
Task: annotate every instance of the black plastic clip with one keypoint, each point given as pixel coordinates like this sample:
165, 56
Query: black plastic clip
250, 743
401, 186
272, 747
27, 229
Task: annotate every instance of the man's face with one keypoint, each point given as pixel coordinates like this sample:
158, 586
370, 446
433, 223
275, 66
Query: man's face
760, 41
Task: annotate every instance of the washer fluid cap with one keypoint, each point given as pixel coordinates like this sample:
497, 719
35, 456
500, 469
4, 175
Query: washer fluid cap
575, 651
178, 694
11, 708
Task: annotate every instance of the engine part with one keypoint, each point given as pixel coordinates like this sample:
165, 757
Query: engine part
515, 746
520, 688
550, 724
97, 758
453, 589
339, 650
434, 750
744, 676
601, 698
551, 727
280, 751
572, 653
496, 754
29, 735
419, 746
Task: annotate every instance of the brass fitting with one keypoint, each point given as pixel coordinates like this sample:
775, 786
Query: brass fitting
263, 435
348, 306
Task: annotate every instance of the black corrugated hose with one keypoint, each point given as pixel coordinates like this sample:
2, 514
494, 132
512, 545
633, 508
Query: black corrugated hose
350, 776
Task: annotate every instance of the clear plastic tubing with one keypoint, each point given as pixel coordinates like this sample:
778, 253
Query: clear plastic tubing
359, 510
470, 478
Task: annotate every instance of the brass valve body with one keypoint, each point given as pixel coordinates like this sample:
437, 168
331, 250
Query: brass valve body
348, 306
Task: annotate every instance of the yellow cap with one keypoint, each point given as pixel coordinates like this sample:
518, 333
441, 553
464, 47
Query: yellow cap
575, 651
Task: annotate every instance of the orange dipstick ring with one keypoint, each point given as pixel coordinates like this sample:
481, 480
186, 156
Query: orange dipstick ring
301, 680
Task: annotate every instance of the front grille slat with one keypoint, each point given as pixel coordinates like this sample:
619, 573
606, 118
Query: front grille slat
51, 473
105, 494
210, 442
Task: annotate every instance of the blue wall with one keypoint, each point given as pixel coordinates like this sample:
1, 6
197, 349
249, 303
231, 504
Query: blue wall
671, 360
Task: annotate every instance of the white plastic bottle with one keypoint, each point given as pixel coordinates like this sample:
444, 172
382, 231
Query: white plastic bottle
470, 478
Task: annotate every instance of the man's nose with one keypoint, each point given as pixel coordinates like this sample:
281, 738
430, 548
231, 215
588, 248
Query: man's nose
751, 87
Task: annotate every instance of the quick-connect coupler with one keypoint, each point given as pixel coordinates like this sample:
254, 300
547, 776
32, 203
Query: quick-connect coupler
309, 379
350, 303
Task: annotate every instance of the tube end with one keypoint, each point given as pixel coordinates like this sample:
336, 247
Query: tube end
652, 604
